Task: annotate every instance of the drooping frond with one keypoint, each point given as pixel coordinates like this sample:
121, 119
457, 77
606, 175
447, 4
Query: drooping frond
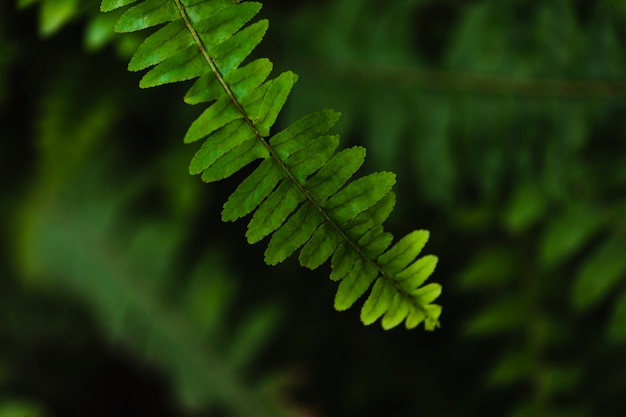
301, 194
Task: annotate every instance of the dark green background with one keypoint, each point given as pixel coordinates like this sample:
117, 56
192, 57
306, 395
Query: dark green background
122, 293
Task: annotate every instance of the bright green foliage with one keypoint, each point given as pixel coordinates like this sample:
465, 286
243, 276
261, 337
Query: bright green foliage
504, 123
300, 195
53, 14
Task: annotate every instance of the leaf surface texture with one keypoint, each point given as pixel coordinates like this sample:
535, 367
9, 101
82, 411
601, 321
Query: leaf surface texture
301, 195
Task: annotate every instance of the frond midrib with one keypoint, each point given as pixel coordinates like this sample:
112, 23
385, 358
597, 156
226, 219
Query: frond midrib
250, 123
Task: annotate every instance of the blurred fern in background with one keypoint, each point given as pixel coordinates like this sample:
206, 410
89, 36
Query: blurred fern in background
122, 293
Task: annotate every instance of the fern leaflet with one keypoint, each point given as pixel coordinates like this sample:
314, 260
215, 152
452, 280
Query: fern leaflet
300, 194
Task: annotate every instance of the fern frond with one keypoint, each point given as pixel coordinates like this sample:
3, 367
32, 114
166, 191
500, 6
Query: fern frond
301, 194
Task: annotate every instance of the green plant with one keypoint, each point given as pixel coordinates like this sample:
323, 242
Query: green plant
299, 193
504, 122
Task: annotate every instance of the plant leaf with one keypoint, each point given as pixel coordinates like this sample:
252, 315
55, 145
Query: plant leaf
301, 194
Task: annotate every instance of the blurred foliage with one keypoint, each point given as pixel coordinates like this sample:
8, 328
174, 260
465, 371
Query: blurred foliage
504, 122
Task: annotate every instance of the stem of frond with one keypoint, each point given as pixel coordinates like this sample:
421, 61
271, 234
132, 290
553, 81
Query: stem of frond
233, 99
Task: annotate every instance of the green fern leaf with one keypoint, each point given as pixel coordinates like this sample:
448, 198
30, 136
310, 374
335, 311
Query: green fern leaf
242, 79
110, 5
148, 14
301, 194
405, 251
252, 191
320, 247
398, 311
379, 301
354, 284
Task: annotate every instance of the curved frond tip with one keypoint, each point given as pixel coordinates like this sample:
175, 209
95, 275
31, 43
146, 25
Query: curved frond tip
301, 195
